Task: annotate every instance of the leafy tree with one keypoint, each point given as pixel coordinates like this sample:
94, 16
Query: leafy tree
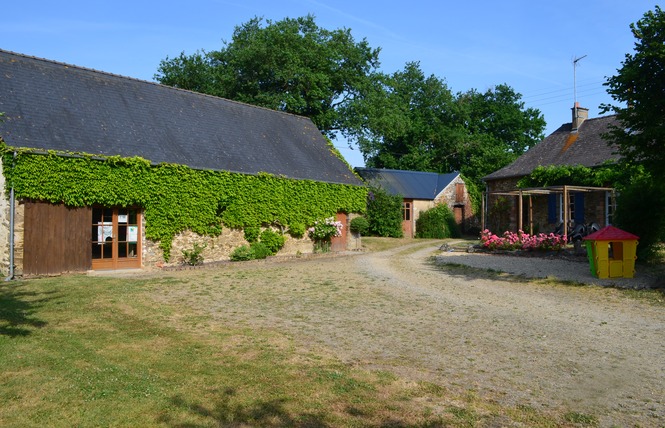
640, 207
404, 120
384, 213
290, 65
499, 113
640, 84
414, 122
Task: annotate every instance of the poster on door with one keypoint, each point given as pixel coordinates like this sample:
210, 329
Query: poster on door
105, 232
132, 233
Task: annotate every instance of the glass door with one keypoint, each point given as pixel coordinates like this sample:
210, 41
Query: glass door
116, 238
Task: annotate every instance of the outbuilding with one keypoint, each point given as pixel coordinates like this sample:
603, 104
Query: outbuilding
108, 172
421, 191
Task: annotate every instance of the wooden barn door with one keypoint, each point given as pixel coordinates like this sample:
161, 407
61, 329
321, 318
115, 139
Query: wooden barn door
338, 243
116, 238
56, 239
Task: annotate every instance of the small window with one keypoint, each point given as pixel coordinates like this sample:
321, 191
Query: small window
406, 211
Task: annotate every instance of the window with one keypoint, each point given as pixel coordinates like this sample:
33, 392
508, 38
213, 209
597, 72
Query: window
571, 207
406, 211
575, 207
610, 207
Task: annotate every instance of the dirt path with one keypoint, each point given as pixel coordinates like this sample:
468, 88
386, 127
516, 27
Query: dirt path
587, 349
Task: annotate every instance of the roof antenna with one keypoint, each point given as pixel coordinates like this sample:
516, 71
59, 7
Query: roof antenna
575, 61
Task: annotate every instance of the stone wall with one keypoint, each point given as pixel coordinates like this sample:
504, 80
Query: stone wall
4, 227
449, 197
19, 226
219, 248
5, 231
501, 211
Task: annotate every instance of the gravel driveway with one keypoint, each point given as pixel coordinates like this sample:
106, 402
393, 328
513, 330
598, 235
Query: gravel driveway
506, 338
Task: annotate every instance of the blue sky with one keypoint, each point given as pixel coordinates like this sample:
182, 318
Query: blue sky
529, 45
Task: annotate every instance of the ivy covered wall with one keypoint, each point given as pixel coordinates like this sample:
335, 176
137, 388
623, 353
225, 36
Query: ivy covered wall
176, 198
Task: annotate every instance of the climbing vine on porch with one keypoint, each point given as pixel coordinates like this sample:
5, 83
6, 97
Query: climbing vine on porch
175, 197
578, 175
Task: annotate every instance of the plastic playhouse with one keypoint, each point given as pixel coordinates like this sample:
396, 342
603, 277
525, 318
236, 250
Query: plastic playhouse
612, 253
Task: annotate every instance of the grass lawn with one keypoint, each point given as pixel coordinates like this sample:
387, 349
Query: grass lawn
98, 351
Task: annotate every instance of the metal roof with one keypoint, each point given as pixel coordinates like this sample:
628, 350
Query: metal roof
408, 184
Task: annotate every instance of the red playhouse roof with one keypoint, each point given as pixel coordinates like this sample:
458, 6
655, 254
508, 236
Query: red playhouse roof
611, 233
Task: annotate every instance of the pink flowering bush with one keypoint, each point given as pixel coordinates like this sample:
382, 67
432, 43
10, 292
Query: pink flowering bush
323, 231
522, 241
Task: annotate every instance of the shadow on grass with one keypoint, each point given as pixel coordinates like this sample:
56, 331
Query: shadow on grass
271, 413
260, 413
17, 309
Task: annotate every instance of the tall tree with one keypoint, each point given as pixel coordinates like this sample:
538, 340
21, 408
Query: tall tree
498, 127
415, 122
404, 120
290, 65
640, 84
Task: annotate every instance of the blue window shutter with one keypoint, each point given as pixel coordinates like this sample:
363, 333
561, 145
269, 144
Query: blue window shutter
579, 208
551, 208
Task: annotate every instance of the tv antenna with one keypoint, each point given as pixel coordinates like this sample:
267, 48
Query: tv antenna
575, 115
575, 61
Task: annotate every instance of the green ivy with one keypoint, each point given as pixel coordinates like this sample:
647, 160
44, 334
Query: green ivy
176, 198
576, 175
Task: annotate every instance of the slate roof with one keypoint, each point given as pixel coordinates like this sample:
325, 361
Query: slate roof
55, 106
408, 184
586, 147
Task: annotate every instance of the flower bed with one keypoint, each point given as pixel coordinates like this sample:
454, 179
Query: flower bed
522, 241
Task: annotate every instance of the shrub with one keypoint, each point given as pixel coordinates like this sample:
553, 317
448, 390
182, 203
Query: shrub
359, 225
252, 233
242, 253
259, 250
640, 208
297, 230
384, 213
437, 223
193, 257
274, 241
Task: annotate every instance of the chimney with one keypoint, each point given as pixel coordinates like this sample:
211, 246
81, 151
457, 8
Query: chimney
580, 114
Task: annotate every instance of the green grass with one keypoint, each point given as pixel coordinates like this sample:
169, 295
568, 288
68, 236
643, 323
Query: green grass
91, 351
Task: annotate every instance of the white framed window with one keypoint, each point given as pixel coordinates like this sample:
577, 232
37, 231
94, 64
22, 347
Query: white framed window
610, 207
571, 206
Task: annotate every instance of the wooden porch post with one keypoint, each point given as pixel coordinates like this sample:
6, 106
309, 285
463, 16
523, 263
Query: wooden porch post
565, 211
482, 212
530, 215
519, 214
